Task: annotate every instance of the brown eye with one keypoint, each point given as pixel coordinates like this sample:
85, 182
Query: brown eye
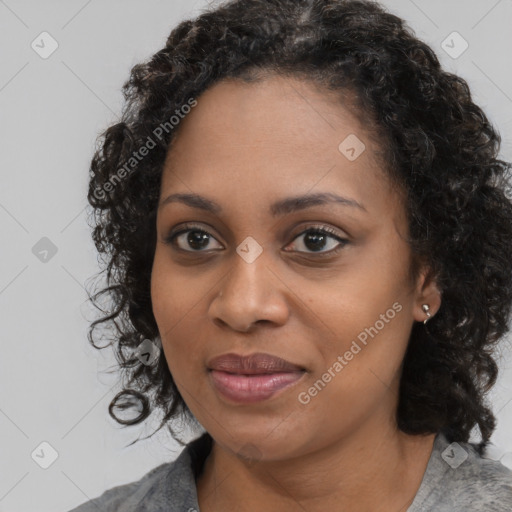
316, 240
191, 239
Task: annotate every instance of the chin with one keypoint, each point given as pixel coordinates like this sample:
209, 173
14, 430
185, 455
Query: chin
268, 440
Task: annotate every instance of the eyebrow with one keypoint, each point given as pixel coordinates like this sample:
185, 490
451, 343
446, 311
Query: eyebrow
281, 207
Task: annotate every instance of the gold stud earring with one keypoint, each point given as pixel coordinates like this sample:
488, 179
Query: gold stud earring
426, 309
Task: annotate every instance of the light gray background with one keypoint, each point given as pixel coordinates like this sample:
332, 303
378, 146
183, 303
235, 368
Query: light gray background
54, 385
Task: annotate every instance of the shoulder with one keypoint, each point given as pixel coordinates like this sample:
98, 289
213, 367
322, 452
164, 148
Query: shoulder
458, 478
125, 497
481, 483
169, 487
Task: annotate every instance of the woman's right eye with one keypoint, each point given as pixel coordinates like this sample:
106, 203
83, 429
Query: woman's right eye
191, 236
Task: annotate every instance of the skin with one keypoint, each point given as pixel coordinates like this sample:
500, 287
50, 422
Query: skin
245, 146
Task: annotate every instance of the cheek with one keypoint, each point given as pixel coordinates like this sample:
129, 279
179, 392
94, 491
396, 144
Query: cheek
366, 317
175, 307
359, 374
168, 306
355, 301
370, 333
171, 293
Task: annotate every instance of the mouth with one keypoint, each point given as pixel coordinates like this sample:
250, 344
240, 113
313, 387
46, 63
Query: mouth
253, 378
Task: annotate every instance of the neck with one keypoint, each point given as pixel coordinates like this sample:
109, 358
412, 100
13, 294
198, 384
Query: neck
361, 472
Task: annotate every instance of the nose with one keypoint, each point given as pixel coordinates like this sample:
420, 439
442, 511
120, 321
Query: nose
250, 293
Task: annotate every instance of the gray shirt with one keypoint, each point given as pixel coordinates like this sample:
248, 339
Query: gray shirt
457, 479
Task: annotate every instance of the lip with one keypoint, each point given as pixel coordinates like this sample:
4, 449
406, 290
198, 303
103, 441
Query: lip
252, 378
251, 364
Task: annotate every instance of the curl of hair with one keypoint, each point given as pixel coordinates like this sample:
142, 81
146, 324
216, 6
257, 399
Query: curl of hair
437, 145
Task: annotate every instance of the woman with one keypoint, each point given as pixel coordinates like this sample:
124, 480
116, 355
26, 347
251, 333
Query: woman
308, 238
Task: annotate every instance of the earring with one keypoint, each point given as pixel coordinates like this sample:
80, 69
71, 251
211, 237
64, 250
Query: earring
426, 309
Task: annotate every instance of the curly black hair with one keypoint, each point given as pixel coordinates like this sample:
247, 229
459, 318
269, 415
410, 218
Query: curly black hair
435, 142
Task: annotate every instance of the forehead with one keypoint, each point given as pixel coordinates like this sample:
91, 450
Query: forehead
274, 136
277, 111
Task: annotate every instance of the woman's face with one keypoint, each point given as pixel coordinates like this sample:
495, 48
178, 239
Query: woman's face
249, 277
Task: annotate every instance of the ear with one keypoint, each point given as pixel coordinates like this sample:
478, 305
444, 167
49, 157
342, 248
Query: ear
427, 292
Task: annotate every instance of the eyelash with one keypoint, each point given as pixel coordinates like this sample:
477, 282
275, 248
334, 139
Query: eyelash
326, 230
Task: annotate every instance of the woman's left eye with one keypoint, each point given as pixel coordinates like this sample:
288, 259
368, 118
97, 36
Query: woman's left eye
315, 239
